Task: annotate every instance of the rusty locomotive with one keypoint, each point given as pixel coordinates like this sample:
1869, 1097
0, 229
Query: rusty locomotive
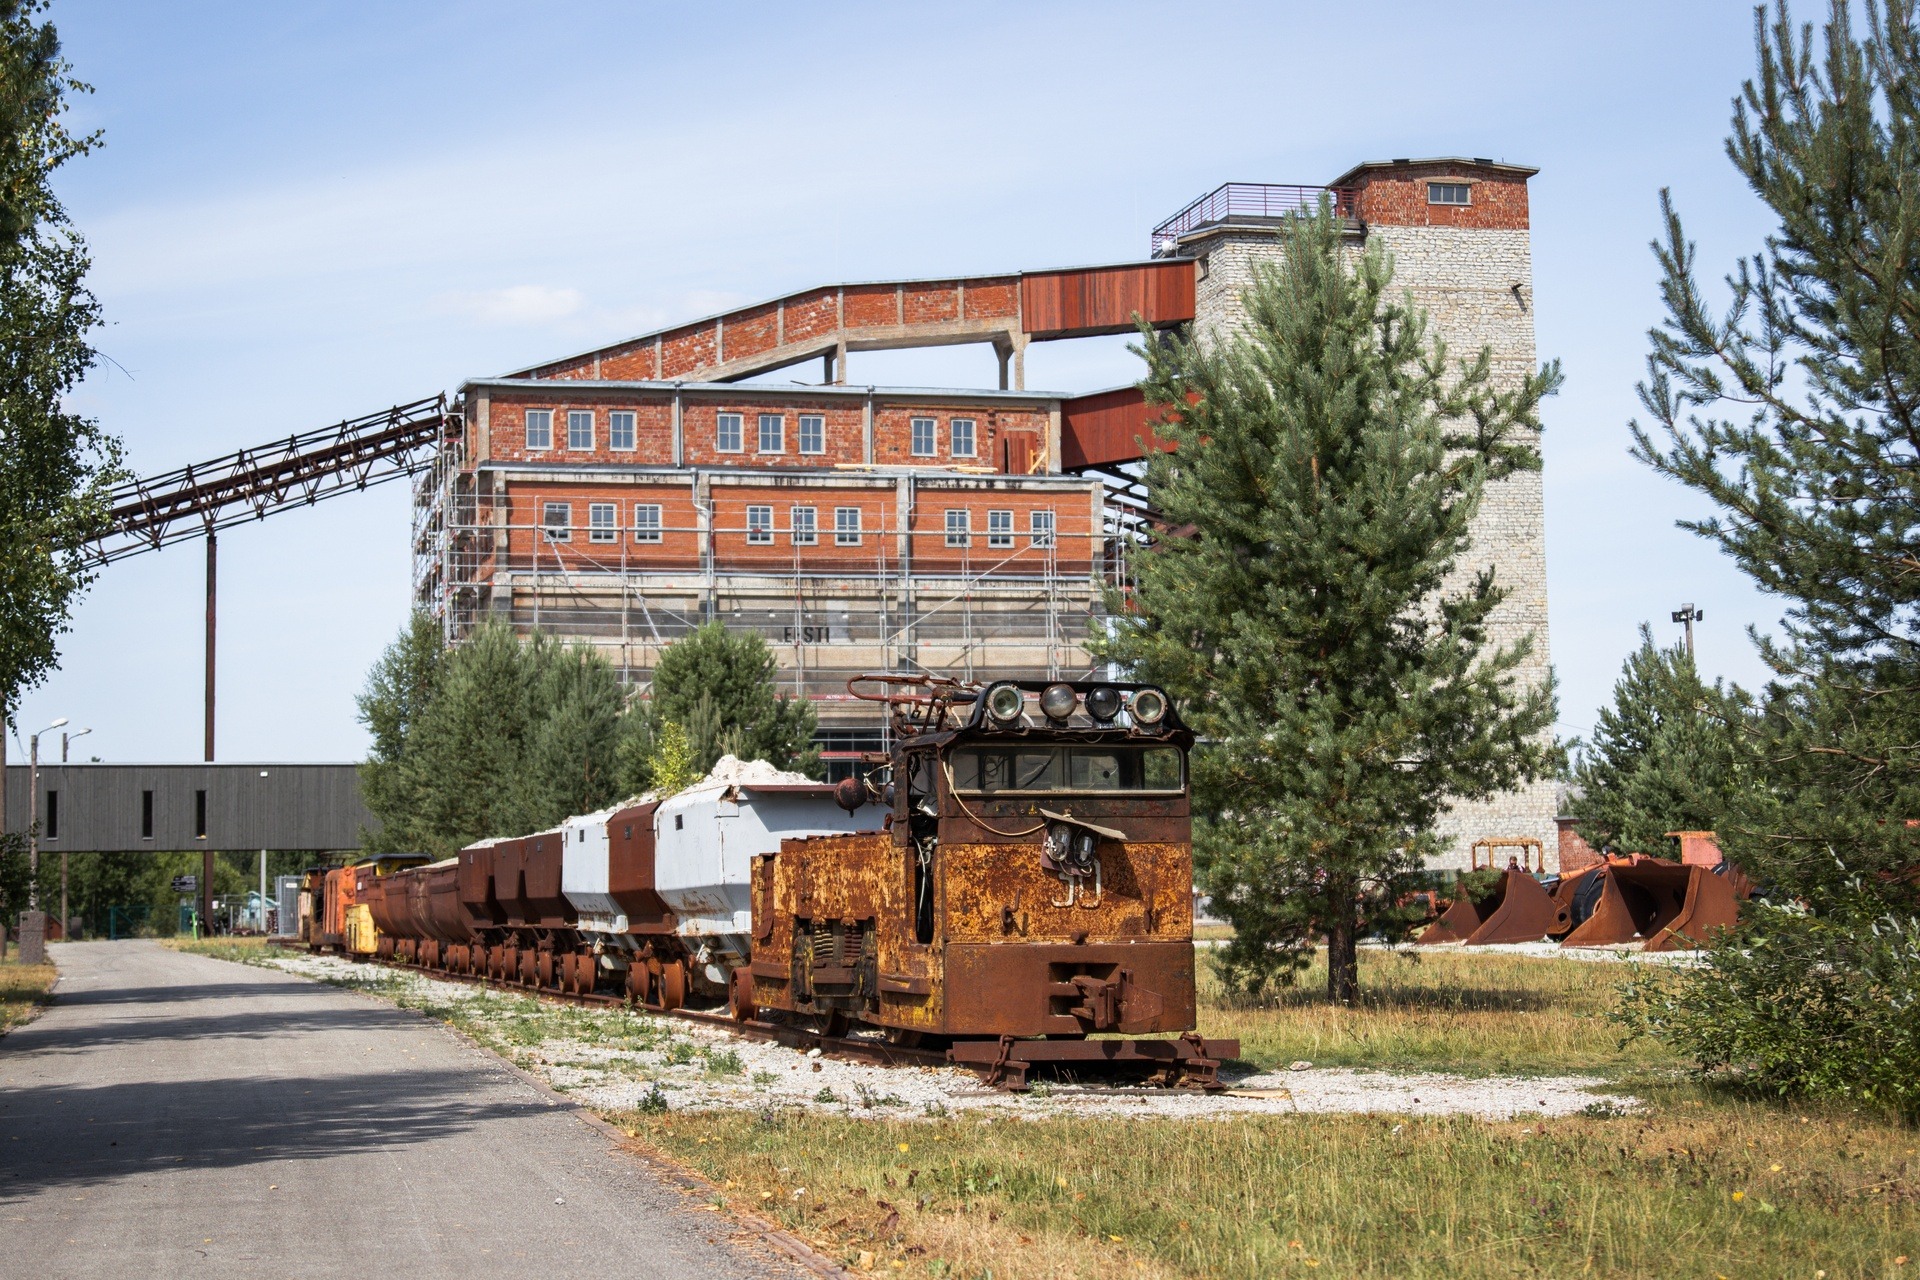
1012, 882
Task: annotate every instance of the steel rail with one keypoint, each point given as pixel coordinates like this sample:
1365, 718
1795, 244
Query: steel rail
877, 1052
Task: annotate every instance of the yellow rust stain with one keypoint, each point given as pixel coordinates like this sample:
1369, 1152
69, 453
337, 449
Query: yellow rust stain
1000, 893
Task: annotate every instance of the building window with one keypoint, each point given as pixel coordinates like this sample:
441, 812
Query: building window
813, 433
961, 431
53, 815
925, 444
1449, 193
620, 430
958, 527
1040, 528
146, 815
760, 524
601, 525
805, 527
539, 428
646, 522
999, 528
579, 428
726, 433
846, 526
556, 521
773, 433
200, 815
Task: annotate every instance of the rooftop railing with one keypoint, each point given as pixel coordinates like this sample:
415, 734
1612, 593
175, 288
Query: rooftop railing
1233, 200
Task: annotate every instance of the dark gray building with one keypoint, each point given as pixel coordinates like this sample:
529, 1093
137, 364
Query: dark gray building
166, 808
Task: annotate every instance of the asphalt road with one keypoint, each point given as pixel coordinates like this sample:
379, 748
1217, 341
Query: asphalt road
172, 1115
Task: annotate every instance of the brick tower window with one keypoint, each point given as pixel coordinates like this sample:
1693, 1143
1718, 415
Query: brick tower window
926, 443
813, 433
805, 526
959, 527
726, 433
846, 526
773, 433
759, 524
962, 429
579, 428
1449, 193
620, 430
556, 521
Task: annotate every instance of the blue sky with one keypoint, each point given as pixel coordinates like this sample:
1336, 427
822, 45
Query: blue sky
305, 213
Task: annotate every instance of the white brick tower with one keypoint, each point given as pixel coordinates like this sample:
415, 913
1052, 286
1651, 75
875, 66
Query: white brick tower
1457, 231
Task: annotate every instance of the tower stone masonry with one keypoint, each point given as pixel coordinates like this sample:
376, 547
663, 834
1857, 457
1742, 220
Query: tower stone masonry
1458, 234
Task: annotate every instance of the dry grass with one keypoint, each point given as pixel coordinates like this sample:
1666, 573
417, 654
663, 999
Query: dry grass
245, 950
1476, 1013
24, 991
1696, 1188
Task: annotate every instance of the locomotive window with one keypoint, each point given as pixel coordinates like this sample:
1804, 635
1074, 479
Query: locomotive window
992, 770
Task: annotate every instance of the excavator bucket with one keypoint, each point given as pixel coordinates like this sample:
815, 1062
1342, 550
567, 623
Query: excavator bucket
1712, 903
1666, 904
1518, 910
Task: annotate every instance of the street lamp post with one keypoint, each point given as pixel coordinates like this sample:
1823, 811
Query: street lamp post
65, 740
33, 815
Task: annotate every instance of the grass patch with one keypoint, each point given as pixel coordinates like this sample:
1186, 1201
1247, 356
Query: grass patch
1474, 1013
255, 951
24, 991
1695, 1188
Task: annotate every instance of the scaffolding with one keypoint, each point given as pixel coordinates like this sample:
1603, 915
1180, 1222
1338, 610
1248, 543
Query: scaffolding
1026, 610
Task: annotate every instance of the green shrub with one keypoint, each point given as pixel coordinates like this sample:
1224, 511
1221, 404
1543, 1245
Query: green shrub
1796, 1004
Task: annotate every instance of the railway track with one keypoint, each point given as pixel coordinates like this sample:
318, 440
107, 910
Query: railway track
1003, 1064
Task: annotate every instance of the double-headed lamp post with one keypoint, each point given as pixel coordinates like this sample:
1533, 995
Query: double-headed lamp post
33, 815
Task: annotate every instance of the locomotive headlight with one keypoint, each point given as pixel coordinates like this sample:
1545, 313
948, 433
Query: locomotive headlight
1103, 703
1005, 703
1058, 701
1149, 707
1073, 850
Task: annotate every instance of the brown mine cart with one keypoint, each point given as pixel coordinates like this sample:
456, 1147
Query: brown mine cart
656, 972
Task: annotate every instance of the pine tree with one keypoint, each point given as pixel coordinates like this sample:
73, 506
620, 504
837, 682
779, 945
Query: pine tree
1663, 756
1309, 615
718, 686
399, 689
502, 736
1795, 411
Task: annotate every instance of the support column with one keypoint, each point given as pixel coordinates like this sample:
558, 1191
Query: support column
839, 378
206, 854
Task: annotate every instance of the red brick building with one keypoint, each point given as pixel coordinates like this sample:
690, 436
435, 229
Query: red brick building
626, 494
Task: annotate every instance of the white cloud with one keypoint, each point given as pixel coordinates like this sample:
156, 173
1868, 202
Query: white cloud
515, 305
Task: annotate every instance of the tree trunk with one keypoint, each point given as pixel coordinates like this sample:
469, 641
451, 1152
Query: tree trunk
1343, 960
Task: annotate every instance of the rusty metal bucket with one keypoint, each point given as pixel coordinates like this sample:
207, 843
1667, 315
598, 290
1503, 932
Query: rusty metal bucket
1518, 910
1667, 904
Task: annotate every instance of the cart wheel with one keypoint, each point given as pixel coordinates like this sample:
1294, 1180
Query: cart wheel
903, 1037
741, 996
673, 985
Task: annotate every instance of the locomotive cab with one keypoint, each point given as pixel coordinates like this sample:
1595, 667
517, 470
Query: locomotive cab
1035, 878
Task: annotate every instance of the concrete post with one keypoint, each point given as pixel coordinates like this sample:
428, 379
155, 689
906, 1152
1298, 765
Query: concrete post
33, 937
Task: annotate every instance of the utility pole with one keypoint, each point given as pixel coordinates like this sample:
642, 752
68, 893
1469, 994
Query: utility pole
1689, 615
206, 851
33, 816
